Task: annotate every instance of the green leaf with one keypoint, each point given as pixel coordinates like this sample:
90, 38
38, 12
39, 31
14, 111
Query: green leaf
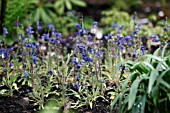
45, 16
163, 51
165, 84
139, 67
13, 78
113, 103
153, 76
139, 106
155, 91
68, 5
58, 3
134, 76
168, 61
154, 57
133, 92
149, 65
60, 10
156, 52
79, 3
36, 16
91, 104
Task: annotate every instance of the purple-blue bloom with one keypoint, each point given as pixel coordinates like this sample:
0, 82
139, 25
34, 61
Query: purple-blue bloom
89, 49
121, 47
143, 48
155, 38
163, 22
17, 23
70, 38
165, 30
95, 23
11, 65
51, 26
50, 72
34, 59
5, 31
128, 37
82, 63
108, 37
134, 56
25, 74
75, 61
76, 86
129, 43
77, 26
30, 30
78, 78
38, 25
169, 43
114, 25
121, 27
25, 40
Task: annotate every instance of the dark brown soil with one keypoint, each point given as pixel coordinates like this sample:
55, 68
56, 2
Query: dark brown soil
14, 105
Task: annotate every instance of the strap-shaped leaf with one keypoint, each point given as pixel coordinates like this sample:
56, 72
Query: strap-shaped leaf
154, 57
79, 3
133, 92
140, 67
153, 76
